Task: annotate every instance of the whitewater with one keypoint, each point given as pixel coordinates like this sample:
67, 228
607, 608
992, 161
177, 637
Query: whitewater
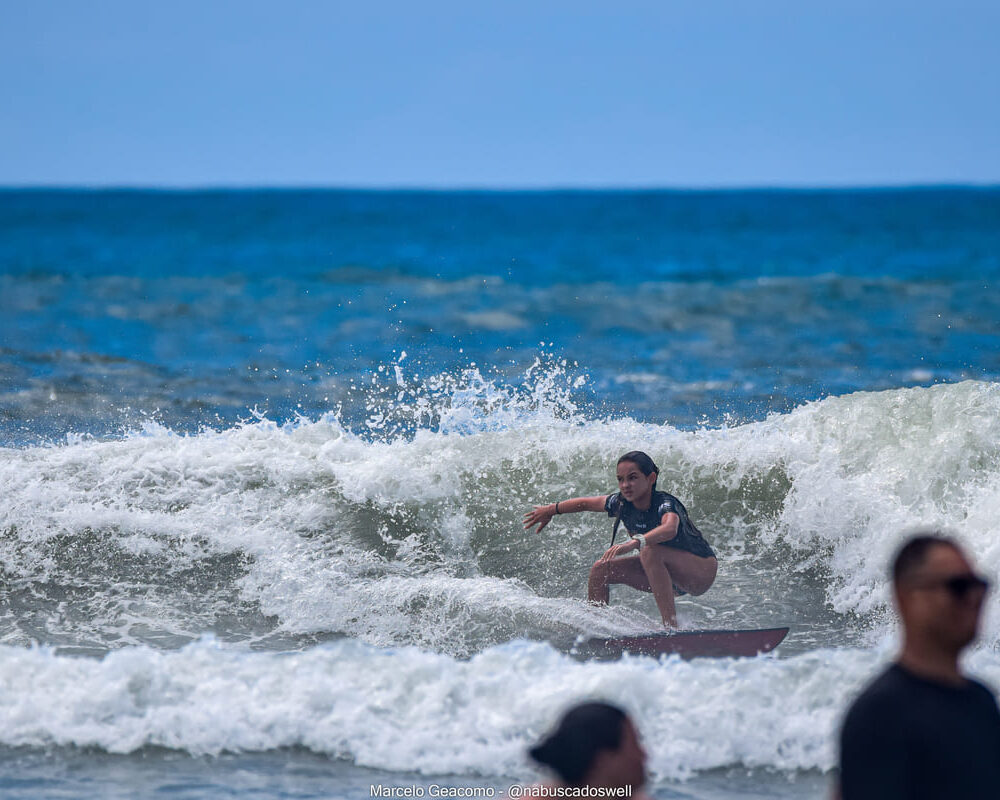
270, 585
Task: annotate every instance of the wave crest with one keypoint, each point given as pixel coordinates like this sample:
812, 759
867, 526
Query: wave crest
308, 529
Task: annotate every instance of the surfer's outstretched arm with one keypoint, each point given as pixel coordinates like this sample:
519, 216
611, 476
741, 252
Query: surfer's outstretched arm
542, 515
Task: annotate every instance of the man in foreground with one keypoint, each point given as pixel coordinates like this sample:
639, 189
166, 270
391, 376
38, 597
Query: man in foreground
922, 729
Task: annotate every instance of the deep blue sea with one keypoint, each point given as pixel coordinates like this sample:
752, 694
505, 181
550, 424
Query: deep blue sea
264, 455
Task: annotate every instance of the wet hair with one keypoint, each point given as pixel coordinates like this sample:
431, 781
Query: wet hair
643, 462
912, 555
583, 732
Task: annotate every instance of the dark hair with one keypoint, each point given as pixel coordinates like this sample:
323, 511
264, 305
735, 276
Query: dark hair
581, 734
912, 555
642, 461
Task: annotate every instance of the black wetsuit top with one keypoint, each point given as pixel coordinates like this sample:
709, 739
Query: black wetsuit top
909, 738
688, 537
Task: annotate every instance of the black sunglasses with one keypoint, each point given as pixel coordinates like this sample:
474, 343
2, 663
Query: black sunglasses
960, 585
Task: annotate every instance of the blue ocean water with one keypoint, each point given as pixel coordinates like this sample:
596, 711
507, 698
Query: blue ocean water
675, 306
264, 454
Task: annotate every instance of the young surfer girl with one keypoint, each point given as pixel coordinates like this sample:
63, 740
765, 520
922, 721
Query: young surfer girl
674, 557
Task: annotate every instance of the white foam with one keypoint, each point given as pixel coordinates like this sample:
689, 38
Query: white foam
410, 710
418, 539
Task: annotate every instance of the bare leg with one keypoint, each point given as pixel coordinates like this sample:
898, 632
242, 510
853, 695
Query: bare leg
694, 574
661, 583
620, 570
658, 569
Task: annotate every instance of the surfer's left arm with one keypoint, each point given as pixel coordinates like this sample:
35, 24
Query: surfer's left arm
665, 531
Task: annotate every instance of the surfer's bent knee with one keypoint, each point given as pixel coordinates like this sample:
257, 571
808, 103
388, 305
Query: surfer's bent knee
650, 555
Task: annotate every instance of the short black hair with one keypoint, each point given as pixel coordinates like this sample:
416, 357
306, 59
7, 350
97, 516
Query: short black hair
912, 555
583, 732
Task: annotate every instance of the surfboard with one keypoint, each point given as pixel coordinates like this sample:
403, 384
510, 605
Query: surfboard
686, 644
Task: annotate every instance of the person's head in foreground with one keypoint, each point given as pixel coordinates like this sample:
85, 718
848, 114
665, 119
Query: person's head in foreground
594, 744
939, 597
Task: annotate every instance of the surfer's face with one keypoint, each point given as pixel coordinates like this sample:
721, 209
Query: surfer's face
632, 483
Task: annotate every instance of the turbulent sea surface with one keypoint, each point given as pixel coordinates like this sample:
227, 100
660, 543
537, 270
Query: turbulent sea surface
264, 456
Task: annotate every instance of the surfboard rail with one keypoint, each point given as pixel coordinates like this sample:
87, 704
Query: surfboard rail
686, 644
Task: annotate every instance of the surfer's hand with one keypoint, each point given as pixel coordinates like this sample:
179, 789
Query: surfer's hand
617, 550
540, 516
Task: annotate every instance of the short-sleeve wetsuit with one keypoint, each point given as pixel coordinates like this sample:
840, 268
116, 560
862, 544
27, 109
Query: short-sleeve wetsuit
688, 537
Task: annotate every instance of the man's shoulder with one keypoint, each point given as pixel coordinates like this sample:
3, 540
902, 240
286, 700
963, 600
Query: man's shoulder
895, 688
985, 694
888, 691
978, 686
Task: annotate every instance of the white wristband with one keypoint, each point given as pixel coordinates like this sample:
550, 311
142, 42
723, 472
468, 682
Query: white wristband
640, 539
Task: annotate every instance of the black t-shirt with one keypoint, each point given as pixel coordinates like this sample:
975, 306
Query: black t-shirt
635, 521
908, 738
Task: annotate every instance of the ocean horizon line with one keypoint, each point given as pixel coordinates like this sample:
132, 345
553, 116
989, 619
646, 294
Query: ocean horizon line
304, 188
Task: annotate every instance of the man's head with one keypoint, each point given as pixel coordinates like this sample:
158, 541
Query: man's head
938, 594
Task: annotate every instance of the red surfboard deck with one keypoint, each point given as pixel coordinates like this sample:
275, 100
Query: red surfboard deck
686, 644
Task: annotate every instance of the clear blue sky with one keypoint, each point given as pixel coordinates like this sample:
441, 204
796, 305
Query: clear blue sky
501, 94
